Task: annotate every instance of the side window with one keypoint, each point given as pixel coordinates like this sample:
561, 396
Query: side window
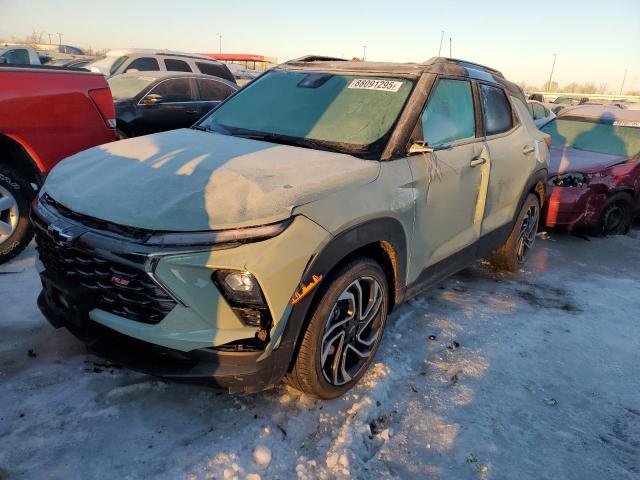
538, 111
217, 70
175, 90
20, 56
144, 64
213, 91
530, 108
497, 110
449, 114
173, 65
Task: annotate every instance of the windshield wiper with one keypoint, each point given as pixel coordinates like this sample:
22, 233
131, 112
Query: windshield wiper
201, 128
284, 140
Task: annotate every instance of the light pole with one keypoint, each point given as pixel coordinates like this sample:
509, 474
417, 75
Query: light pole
49, 37
623, 79
364, 52
450, 56
441, 38
551, 74
220, 44
59, 38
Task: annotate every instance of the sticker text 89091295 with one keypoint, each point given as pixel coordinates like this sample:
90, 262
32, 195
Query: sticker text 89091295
369, 84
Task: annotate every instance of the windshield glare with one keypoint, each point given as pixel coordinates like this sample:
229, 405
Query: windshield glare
595, 137
123, 87
349, 113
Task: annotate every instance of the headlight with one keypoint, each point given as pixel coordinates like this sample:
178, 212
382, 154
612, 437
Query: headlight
236, 235
570, 180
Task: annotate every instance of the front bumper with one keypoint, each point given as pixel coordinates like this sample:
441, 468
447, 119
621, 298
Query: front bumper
189, 342
573, 207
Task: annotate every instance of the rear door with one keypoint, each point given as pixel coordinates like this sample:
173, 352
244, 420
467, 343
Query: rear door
211, 93
511, 153
177, 108
450, 180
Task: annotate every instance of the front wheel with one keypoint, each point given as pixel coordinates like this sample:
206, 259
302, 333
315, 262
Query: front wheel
15, 229
617, 215
514, 253
344, 331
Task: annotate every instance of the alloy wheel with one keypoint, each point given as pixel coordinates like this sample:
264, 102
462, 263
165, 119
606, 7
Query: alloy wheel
527, 235
9, 214
352, 331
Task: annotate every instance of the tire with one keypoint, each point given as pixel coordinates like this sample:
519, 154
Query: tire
15, 200
512, 256
121, 134
330, 332
616, 216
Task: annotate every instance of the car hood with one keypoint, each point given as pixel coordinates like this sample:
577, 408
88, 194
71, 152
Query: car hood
190, 180
565, 160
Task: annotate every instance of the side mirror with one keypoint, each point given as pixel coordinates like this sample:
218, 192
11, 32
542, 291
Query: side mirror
419, 147
3, 60
152, 99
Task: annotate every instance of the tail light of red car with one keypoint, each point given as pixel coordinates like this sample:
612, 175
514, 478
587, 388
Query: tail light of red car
104, 102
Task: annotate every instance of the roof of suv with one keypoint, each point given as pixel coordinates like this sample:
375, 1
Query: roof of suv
438, 65
153, 51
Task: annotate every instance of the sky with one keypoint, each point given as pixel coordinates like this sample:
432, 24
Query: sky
595, 41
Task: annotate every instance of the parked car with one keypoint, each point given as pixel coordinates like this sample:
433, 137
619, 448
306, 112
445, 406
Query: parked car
70, 62
115, 62
540, 113
273, 238
152, 102
19, 55
564, 102
595, 171
46, 114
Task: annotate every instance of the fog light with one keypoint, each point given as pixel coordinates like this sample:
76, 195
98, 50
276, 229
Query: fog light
240, 281
239, 288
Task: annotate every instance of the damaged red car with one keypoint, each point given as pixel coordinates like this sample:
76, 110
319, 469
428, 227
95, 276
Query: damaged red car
594, 172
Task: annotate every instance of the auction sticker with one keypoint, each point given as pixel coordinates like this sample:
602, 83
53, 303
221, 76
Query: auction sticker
622, 123
382, 85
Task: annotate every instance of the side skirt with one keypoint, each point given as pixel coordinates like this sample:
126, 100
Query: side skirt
434, 274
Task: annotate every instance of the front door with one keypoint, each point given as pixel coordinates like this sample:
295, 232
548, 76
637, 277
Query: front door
176, 108
452, 181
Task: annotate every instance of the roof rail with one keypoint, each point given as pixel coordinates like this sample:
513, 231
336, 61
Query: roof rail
186, 55
316, 58
464, 63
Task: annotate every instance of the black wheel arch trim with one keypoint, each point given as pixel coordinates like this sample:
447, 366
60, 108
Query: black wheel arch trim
385, 230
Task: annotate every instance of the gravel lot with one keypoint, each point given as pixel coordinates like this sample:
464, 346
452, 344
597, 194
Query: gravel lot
533, 376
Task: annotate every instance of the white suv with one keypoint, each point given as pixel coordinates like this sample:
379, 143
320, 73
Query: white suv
142, 60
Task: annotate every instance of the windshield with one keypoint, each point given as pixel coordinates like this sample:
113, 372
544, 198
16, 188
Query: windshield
614, 138
347, 113
123, 87
106, 65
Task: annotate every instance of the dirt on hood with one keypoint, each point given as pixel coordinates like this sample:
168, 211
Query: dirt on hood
190, 180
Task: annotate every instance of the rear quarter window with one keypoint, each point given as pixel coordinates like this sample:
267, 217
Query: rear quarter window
498, 117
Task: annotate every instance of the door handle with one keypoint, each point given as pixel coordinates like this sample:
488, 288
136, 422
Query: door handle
478, 161
191, 112
527, 149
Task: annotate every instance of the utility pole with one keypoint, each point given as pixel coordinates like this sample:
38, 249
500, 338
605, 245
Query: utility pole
220, 44
623, 79
364, 52
441, 38
551, 74
450, 56
59, 38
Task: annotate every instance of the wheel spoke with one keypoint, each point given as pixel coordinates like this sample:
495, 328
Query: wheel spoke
5, 228
338, 361
7, 202
327, 344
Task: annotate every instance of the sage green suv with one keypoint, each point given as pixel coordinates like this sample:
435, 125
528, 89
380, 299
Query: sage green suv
273, 238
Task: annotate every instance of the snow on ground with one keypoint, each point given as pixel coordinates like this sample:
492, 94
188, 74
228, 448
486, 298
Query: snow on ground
533, 376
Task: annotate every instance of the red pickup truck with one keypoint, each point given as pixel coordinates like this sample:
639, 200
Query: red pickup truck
46, 114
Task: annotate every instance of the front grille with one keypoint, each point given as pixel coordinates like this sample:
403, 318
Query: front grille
119, 289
